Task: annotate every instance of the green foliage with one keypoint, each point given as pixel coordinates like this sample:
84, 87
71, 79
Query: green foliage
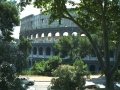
64, 45
73, 46
39, 68
52, 63
24, 49
70, 77
46, 67
27, 72
8, 78
81, 67
25, 45
99, 17
64, 81
9, 17
8, 52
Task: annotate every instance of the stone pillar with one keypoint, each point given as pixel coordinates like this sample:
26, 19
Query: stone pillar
37, 51
51, 53
45, 34
31, 51
39, 35
30, 62
44, 53
70, 33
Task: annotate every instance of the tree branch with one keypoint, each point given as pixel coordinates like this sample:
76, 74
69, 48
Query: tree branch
96, 50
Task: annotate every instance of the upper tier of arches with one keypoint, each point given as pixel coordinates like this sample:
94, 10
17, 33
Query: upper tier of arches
54, 32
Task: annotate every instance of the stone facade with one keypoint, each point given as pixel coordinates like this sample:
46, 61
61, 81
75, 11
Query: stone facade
44, 35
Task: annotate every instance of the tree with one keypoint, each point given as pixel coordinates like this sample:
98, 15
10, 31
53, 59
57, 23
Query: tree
73, 46
39, 68
24, 48
8, 52
100, 17
9, 17
70, 77
51, 64
8, 78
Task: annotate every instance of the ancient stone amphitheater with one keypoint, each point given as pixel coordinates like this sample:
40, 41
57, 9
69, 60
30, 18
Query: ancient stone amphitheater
44, 35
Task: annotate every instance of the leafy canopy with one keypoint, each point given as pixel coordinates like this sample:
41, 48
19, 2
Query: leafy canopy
9, 17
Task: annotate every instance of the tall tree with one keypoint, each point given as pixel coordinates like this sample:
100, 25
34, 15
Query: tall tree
9, 17
8, 52
24, 47
73, 46
92, 16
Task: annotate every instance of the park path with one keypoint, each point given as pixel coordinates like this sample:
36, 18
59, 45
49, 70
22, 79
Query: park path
48, 79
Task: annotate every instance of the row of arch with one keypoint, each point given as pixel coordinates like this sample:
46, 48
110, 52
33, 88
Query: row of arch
57, 34
42, 51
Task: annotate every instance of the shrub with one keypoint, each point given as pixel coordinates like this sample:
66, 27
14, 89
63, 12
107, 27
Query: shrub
52, 64
70, 77
65, 81
45, 67
8, 78
81, 67
81, 71
27, 72
39, 68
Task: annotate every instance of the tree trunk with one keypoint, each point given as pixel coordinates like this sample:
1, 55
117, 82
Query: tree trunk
109, 81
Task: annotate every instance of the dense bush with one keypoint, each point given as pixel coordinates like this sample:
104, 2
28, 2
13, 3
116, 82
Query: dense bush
70, 77
27, 72
81, 71
65, 81
8, 78
52, 64
39, 68
46, 67
81, 67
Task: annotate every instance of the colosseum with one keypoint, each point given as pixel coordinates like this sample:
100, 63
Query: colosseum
44, 35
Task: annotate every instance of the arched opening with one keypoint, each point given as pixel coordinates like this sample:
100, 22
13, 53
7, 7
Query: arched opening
42, 35
82, 35
65, 34
74, 33
40, 51
49, 34
34, 51
48, 50
57, 34
92, 68
31, 36
36, 36
99, 68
